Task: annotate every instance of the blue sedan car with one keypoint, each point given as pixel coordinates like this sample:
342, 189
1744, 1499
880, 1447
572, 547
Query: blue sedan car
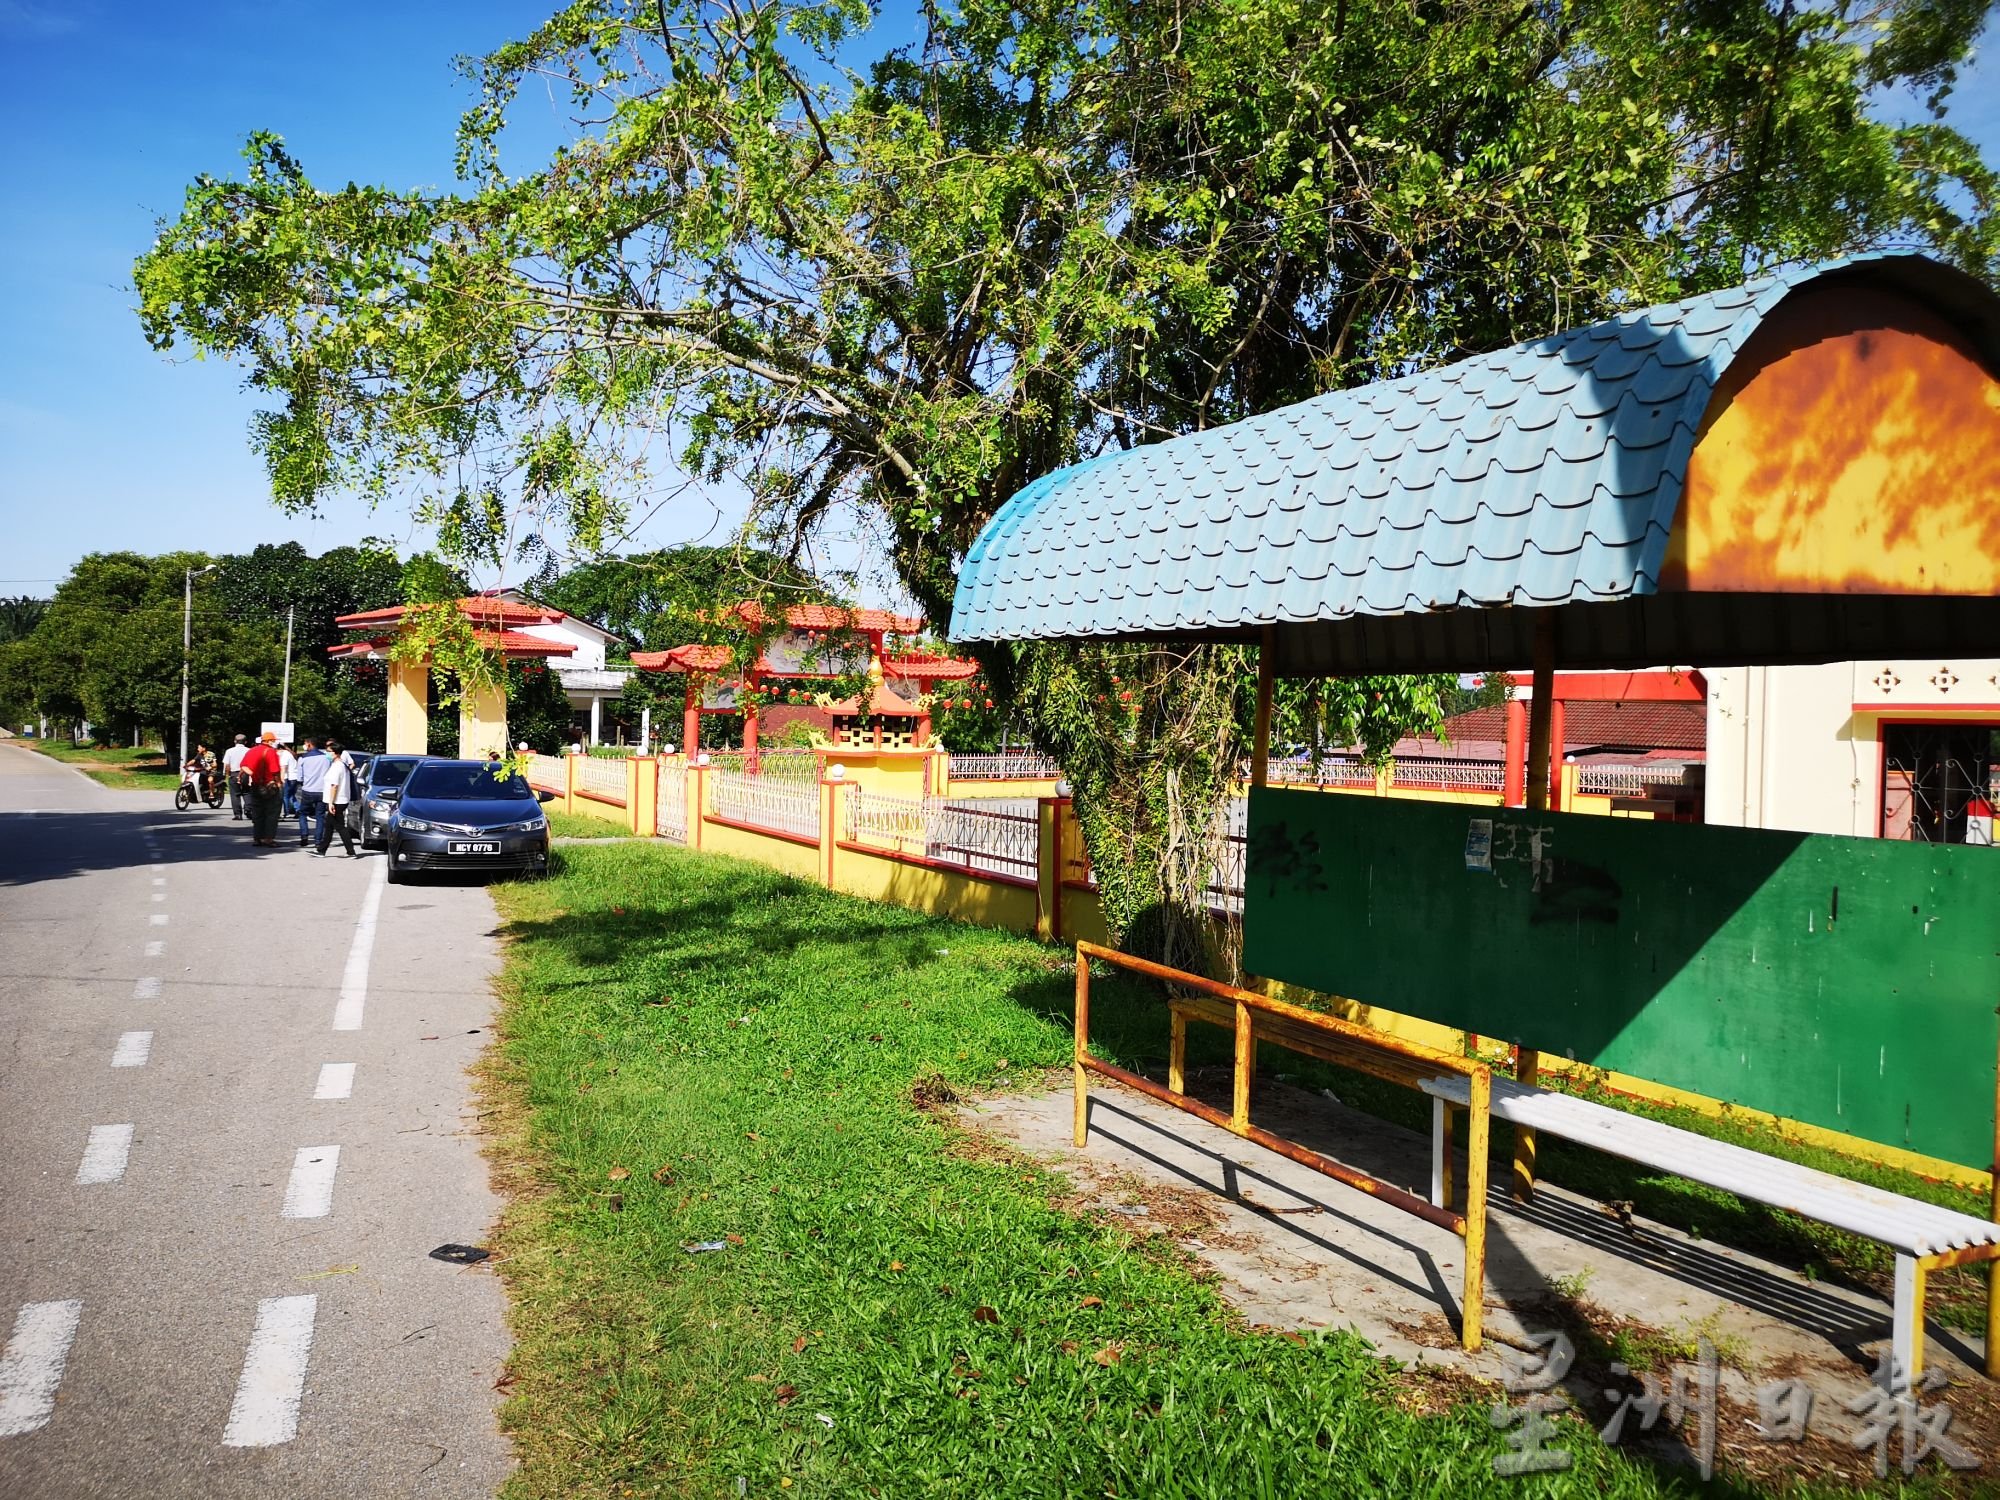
467, 815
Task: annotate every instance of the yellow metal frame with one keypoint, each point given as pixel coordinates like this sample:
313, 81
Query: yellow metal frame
1342, 1035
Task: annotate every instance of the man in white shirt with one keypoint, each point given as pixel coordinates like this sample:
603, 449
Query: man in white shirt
290, 764
338, 793
232, 769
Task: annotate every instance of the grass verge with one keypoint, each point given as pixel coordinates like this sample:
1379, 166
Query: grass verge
575, 825
142, 770
695, 1052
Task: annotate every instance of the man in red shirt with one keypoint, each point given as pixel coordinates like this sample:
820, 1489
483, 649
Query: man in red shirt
265, 772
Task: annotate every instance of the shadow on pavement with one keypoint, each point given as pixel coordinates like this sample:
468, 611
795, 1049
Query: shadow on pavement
59, 845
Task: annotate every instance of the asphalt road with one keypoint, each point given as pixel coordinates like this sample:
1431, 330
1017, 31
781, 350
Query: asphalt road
212, 1282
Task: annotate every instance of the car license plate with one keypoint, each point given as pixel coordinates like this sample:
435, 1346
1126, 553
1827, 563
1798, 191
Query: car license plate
469, 846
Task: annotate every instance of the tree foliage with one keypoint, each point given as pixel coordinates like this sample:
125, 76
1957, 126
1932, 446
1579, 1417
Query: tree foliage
910, 275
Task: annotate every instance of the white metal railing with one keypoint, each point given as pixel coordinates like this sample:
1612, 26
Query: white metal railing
797, 766
1299, 770
670, 801
1013, 766
548, 772
1630, 781
776, 803
1450, 774
978, 838
1225, 885
604, 779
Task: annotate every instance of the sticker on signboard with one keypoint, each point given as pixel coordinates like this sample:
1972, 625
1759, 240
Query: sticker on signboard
1479, 845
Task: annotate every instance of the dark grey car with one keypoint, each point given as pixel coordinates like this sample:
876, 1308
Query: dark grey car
467, 815
386, 775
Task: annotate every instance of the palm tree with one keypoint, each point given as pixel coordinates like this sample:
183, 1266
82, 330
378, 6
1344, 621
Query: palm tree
19, 616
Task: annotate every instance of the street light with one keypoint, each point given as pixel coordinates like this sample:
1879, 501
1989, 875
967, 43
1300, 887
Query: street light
187, 644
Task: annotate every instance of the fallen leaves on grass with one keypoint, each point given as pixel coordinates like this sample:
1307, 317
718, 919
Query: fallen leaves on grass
783, 1394
985, 1314
1093, 1302
1109, 1355
618, 1174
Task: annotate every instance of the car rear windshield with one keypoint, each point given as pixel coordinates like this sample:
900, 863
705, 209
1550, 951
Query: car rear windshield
456, 783
386, 772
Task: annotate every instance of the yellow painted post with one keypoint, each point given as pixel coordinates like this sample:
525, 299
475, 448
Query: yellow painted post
1571, 774
829, 826
1246, 1065
1478, 1143
1177, 1051
482, 722
697, 797
569, 782
1527, 1071
642, 795
1080, 1104
1048, 870
408, 729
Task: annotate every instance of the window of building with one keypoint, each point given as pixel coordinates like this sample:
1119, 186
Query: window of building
1939, 782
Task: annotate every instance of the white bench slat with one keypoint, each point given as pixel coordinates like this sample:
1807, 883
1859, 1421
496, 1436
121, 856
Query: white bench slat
1908, 1225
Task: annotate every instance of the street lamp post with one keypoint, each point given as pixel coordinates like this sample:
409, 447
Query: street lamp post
187, 645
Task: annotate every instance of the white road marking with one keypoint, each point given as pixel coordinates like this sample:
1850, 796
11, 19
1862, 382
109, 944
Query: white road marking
266, 1409
336, 1081
309, 1192
104, 1155
159, 919
31, 1366
159, 895
159, 880
155, 948
354, 981
146, 989
134, 1049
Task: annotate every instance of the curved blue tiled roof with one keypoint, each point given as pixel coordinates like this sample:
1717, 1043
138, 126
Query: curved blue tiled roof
1547, 474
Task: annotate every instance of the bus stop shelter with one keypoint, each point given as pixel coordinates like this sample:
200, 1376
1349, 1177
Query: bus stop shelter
1805, 468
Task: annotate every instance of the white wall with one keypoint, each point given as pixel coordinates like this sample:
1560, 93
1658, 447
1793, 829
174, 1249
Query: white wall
589, 653
1799, 747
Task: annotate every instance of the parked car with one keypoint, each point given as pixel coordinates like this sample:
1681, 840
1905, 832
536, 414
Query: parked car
384, 784
467, 815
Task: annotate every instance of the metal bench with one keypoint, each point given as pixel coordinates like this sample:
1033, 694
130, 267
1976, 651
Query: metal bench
1924, 1236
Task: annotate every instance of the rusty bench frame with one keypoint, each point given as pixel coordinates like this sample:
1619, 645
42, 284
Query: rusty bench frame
1254, 1018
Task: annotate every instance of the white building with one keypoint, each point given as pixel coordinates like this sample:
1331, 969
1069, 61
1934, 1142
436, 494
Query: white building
1890, 749
585, 678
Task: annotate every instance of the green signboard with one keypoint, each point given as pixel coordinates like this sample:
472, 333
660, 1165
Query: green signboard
1849, 983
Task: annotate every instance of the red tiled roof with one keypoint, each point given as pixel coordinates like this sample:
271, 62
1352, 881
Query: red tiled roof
478, 609
832, 617
1637, 726
695, 658
510, 643
930, 668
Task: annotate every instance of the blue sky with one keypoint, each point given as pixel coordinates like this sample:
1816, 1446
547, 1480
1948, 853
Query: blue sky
112, 107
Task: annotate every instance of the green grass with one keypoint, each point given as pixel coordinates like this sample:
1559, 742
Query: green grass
126, 769
574, 825
696, 1049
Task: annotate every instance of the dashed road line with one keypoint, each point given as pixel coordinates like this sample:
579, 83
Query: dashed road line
266, 1409
354, 980
134, 1049
155, 948
104, 1155
159, 880
309, 1190
336, 1081
159, 895
147, 988
31, 1366
159, 919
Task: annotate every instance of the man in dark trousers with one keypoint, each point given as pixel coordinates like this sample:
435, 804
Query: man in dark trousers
232, 767
264, 785
338, 793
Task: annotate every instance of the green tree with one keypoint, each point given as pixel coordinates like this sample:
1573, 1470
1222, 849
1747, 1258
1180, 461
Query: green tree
909, 279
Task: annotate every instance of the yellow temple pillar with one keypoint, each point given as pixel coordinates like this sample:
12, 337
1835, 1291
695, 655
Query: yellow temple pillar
482, 722
409, 708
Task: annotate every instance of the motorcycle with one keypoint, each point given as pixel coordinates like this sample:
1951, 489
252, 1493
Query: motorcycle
198, 786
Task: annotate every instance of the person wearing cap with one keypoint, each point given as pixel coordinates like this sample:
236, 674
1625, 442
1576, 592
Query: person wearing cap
232, 770
264, 777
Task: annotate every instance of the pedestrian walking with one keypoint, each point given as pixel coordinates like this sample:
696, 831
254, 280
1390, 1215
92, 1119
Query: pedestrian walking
338, 792
264, 782
312, 794
290, 762
232, 768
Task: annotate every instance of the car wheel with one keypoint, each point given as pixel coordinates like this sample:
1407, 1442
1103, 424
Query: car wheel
394, 876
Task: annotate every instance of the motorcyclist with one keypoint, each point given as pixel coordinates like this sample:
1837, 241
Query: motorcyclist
204, 767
